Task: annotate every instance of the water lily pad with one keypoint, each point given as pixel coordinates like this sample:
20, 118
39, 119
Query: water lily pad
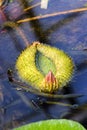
53, 124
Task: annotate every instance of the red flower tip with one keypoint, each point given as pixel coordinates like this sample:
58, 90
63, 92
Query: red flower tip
50, 78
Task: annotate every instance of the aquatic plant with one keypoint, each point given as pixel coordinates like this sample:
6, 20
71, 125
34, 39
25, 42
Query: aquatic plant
53, 124
44, 67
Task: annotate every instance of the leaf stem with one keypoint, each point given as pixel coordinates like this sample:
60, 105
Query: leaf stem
53, 14
35, 5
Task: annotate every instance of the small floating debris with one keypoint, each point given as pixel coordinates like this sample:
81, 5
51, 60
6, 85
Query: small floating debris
44, 4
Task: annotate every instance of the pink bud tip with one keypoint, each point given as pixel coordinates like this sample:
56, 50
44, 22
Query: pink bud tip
50, 78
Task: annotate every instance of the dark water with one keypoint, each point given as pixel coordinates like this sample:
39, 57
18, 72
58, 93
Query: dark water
67, 32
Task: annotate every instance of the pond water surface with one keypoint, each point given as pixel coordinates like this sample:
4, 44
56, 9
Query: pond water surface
67, 32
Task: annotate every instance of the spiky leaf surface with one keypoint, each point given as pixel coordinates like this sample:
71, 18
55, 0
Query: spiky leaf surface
37, 60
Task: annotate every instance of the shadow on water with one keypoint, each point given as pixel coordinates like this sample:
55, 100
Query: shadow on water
17, 105
61, 23
82, 66
16, 42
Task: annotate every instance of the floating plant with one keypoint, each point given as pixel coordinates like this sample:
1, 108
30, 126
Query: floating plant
44, 67
47, 69
53, 124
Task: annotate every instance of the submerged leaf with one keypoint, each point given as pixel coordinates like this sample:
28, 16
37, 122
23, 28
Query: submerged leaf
53, 124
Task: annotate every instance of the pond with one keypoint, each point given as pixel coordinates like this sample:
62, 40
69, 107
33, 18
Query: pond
67, 32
